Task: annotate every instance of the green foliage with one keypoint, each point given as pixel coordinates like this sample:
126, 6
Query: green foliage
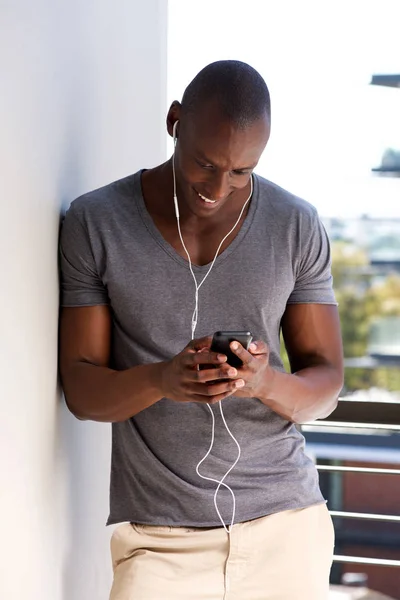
362, 298
355, 321
349, 266
284, 356
386, 297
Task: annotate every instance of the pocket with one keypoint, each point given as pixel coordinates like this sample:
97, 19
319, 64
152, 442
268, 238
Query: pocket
141, 529
122, 544
165, 530
329, 528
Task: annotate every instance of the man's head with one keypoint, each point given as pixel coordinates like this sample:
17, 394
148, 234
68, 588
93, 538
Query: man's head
224, 126
235, 87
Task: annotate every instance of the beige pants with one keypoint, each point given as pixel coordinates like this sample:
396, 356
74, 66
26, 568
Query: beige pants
285, 556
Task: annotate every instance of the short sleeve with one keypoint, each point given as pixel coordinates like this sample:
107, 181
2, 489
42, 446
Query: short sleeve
79, 278
313, 283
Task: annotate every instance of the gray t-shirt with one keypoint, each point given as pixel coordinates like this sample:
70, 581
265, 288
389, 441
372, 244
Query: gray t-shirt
112, 253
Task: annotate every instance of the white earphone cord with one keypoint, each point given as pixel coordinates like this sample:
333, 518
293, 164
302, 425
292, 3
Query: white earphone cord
194, 325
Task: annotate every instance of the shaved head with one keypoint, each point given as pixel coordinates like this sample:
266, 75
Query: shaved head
238, 90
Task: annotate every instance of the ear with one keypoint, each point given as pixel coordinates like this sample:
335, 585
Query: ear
173, 116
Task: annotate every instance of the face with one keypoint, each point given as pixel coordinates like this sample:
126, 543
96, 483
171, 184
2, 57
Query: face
214, 159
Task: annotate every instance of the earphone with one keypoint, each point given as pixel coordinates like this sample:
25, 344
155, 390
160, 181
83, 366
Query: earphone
193, 331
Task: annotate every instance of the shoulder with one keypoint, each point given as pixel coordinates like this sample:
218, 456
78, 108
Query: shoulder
282, 204
109, 201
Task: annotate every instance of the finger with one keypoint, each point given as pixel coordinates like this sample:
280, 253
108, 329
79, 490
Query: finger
224, 372
215, 389
241, 352
199, 344
258, 347
203, 358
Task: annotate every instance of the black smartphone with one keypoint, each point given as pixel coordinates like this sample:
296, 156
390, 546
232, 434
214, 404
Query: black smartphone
222, 339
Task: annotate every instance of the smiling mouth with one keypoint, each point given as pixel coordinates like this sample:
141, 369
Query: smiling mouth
206, 199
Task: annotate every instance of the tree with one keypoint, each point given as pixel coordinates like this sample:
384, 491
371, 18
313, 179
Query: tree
362, 297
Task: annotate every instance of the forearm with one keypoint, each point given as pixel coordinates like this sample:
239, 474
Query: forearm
101, 394
307, 395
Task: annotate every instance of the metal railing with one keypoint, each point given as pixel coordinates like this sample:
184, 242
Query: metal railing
356, 414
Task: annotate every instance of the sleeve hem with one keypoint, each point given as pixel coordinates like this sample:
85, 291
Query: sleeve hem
328, 302
88, 303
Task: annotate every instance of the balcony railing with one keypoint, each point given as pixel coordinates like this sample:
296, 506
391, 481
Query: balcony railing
352, 416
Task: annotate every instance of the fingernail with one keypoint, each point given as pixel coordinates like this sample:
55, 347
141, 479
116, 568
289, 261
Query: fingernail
221, 357
239, 383
235, 346
252, 347
232, 372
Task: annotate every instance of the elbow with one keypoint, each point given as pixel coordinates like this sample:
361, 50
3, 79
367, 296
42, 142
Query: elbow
333, 394
89, 413
67, 392
74, 410
329, 408
331, 402
317, 410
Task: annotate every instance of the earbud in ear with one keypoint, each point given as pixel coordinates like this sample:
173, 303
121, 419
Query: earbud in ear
174, 131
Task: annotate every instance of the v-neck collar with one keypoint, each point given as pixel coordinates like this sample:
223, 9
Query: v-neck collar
169, 249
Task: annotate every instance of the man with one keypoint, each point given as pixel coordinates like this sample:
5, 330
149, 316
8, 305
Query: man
127, 358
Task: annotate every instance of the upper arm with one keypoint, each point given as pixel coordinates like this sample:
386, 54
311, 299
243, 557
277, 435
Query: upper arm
312, 336
85, 327
85, 335
310, 324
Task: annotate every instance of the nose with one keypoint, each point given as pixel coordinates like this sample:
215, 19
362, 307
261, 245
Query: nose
219, 186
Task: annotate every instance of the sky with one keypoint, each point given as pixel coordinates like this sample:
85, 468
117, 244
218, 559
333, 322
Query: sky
329, 126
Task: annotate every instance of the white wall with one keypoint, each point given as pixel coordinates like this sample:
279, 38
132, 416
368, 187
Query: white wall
82, 102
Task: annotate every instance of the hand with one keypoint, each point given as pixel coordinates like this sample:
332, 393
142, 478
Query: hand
256, 371
183, 381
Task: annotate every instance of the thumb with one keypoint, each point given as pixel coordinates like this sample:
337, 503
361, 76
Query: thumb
258, 347
202, 343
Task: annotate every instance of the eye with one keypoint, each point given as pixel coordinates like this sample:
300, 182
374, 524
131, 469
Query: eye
236, 172
203, 165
